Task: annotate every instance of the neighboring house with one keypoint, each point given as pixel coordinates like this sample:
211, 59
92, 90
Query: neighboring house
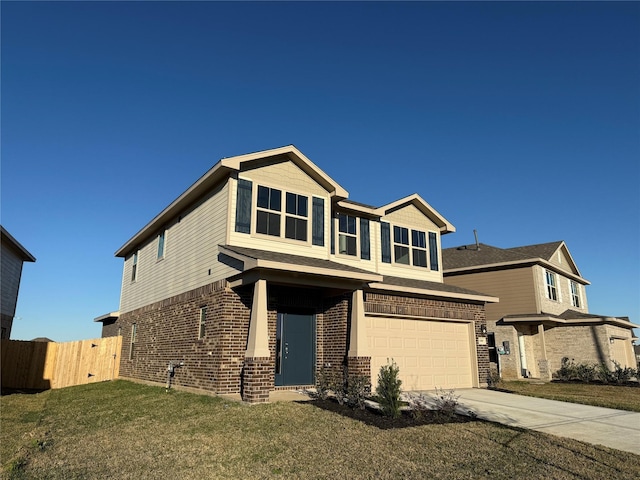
12, 258
636, 351
263, 272
542, 316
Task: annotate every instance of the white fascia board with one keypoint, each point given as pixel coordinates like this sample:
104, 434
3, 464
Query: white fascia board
434, 293
107, 316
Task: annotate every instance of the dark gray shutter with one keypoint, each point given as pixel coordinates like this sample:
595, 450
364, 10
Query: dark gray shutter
243, 206
317, 222
385, 234
333, 235
433, 250
365, 242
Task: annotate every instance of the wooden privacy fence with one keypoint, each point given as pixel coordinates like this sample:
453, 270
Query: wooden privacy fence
44, 365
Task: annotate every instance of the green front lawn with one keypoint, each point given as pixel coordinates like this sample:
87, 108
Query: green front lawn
610, 396
125, 430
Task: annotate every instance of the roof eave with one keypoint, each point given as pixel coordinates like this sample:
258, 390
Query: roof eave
434, 293
442, 223
26, 256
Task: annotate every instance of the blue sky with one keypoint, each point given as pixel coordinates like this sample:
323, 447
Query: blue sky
520, 120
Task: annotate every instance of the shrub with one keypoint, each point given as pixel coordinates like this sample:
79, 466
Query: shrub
323, 384
446, 402
585, 373
419, 404
358, 388
388, 390
494, 379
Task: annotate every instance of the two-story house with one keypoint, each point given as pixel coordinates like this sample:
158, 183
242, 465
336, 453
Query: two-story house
263, 272
13, 257
543, 315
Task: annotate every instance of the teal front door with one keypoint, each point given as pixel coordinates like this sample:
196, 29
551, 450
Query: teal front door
295, 349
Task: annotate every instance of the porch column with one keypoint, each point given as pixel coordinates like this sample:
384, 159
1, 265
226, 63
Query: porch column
358, 359
258, 343
545, 372
257, 376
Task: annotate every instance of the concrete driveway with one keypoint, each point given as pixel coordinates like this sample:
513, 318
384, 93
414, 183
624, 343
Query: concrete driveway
600, 426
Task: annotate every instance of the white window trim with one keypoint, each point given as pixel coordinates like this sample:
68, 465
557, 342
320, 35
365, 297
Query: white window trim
578, 294
202, 322
283, 213
426, 249
163, 234
556, 286
337, 231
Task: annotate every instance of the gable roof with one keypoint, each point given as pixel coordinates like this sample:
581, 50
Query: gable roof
220, 171
568, 317
486, 257
420, 203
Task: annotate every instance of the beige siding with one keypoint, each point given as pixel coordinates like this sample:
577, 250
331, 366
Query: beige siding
11, 265
561, 260
410, 217
514, 288
278, 244
190, 255
564, 294
285, 175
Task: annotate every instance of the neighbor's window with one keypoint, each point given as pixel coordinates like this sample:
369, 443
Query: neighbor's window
161, 236
575, 294
347, 236
401, 245
268, 211
295, 225
202, 322
552, 291
134, 332
134, 267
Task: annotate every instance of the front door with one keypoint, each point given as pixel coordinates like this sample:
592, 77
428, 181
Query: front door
295, 349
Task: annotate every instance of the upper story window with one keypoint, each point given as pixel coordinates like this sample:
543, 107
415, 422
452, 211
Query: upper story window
296, 218
269, 211
409, 246
401, 245
552, 290
161, 237
575, 294
347, 234
134, 267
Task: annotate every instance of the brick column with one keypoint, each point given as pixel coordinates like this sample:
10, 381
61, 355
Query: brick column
257, 379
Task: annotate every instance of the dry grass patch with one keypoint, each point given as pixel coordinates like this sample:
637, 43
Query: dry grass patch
125, 430
610, 396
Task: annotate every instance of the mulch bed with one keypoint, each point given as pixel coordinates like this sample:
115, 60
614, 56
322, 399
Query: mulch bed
375, 418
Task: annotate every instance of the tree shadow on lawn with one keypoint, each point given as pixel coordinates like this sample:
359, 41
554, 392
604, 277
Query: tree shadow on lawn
374, 418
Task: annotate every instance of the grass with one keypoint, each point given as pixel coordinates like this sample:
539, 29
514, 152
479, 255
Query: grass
129, 431
610, 396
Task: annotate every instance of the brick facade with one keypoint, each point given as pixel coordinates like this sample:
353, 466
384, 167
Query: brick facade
168, 331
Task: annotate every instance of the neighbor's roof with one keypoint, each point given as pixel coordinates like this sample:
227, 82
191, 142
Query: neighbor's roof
424, 287
23, 252
568, 317
483, 256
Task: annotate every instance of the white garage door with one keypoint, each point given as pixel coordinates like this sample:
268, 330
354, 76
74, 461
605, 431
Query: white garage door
428, 353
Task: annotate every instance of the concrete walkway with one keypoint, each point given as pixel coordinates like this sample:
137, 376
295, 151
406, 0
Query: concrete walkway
617, 429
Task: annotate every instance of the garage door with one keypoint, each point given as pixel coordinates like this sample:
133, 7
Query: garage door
428, 353
620, 352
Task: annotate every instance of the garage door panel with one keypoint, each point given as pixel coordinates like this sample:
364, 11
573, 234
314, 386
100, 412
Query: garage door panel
428, 353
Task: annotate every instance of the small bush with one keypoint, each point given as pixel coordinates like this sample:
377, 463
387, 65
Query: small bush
587, 373
323, 384
358, 388
446, 402
388, 390
419, 404
494, 380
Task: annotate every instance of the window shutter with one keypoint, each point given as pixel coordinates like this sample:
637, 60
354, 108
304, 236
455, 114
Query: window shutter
243, 206
385, 233
365, 243
333, 236
317, 222
433, 250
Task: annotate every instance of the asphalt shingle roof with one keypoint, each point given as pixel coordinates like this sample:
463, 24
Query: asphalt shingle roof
472, 256
426, 285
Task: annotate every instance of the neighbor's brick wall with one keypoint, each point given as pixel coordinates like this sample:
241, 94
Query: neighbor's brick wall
431, 308
110, 328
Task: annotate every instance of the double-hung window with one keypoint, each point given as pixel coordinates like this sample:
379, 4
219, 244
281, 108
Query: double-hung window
269, 211
134, 267
419, 248
296, 218
401, 245
161, 237
552, 290
575, 294
347, 235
